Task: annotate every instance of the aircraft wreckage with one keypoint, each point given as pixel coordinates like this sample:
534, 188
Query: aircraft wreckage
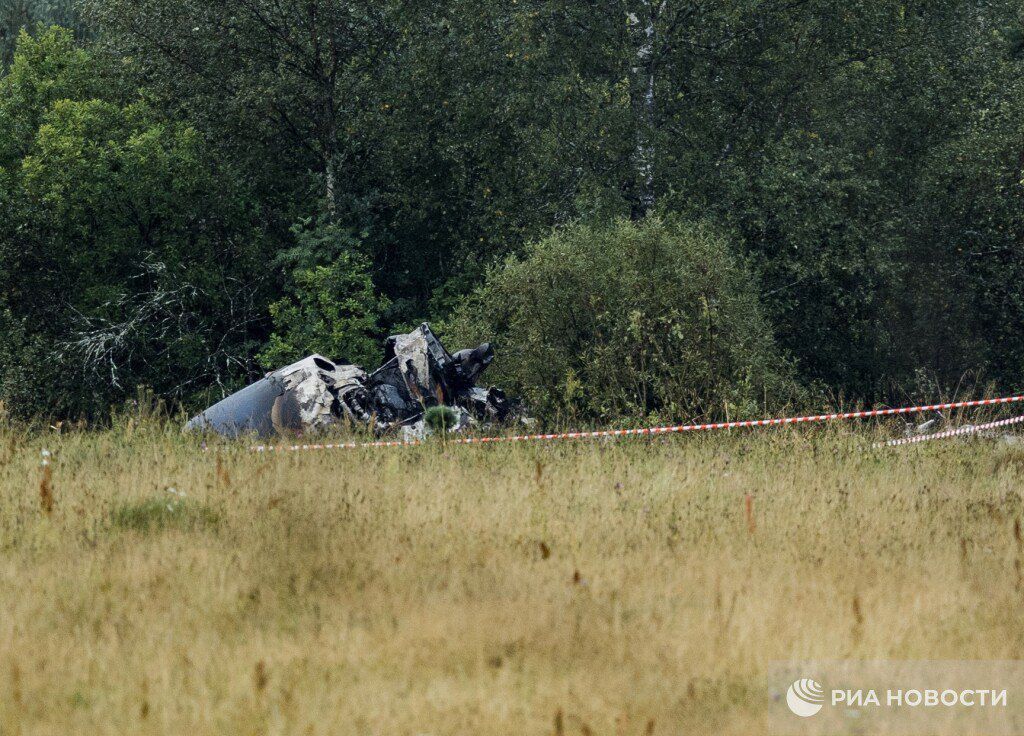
316, 394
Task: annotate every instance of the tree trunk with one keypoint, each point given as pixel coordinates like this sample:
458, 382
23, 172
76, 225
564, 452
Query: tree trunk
330, 153
642, 34
331, 186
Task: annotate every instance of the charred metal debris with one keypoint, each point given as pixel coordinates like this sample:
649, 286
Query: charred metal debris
316, 394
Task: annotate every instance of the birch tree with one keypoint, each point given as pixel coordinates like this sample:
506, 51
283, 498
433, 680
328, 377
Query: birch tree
642, 24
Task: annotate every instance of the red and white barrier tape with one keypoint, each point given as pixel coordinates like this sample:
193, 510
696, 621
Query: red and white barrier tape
653, 430
970, 429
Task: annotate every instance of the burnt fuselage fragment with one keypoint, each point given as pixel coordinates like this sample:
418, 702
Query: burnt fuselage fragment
316, 393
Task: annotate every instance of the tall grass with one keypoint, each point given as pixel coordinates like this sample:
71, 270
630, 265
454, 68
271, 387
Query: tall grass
637, 587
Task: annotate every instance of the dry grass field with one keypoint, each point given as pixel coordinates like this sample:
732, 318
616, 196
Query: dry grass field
589, 588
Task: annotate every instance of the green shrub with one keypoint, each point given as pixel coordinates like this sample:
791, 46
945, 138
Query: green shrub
628, 320
332, 308
440, 418
23, 365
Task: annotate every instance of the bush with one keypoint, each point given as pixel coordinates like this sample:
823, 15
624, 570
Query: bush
440, 418
332, 308
651, 320
24, 367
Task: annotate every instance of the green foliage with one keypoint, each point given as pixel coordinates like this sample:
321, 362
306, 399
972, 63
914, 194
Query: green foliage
117, 227
21, 15
964, 295
861, 160
23, 364
440, 418
650, 319
331, 309
46, 68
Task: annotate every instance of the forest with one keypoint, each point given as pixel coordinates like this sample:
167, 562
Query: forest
654, 208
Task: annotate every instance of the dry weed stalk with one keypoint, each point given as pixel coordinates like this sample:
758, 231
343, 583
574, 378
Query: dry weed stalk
260, 677
46, 484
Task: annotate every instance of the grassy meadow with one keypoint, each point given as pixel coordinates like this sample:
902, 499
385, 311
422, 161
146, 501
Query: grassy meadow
630, 587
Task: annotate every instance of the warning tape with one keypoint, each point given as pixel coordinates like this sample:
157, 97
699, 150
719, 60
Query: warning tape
970, 429
652, 430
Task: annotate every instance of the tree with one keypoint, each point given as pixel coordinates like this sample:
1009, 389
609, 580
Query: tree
133, 255
858, 157
264, 70
331, 308
963, 299
19, 15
